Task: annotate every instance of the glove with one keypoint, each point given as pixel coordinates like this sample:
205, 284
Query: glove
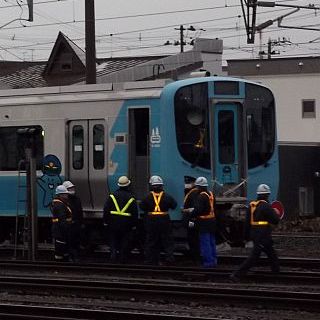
189, 210
191, 224
248, 245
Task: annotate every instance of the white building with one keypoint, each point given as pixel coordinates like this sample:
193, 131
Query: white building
295, 83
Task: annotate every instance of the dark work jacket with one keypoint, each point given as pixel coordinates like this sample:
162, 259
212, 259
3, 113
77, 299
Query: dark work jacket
263, 212
122, 195
60, 210
202, 207
76, 207
190, 200
166, 203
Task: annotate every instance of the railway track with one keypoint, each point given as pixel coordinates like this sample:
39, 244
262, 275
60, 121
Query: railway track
189, 274
29, 312
185, 292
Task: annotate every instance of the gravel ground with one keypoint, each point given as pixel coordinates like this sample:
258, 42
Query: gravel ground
225, 311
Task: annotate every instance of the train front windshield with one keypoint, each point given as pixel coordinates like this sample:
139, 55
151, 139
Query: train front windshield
192, 124
228, 135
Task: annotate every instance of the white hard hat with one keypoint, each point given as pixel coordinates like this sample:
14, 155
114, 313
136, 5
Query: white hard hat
61, 189
123, 181
201, 182
68, 184
156, 180
263, 189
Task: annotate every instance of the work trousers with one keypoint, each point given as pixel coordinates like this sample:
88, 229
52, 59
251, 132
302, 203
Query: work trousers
61, 253
265, 246
60, 234
120, 235
74, 241
193, 243
208, 249
158, 236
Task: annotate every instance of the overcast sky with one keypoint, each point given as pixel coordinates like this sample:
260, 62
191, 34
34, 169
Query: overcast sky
141, 27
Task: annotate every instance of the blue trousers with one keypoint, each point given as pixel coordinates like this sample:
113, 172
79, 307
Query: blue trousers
208, 249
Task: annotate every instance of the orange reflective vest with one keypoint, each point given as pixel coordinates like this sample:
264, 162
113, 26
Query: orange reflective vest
211, 214
253, 207
69, 212
157, 198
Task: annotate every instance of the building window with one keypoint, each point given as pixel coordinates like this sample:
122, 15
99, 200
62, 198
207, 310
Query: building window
308, 108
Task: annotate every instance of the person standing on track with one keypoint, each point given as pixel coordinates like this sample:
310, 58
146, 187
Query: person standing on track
157, 222
120, 213
191, 194
204, 213
260, 217
61, 222
77, 221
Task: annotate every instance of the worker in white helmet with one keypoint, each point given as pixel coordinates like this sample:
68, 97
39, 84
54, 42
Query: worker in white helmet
120, 213
61, 222
77, 227
156, 206
260, 218
204, 213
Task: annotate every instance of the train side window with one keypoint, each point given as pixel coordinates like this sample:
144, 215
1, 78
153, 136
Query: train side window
98, 146
12, 147
77, 147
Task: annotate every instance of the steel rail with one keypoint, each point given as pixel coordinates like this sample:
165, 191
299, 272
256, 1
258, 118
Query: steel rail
159, 272
162, 291
29, 312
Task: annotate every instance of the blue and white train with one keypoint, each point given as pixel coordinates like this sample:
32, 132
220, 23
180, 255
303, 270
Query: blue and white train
218, 127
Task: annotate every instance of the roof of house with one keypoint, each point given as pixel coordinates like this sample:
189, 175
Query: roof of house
66, 66
23, 74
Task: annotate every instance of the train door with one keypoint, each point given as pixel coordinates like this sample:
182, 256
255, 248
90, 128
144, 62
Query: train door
87, 161
226, 148
139, 155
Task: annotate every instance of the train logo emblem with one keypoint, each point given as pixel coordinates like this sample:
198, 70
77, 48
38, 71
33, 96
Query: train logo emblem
155, 138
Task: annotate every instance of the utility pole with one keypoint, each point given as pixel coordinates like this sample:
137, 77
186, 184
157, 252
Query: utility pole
181, 37
269, 49
30, 7
182, 43
90, 42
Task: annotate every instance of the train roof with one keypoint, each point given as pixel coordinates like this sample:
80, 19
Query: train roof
91, 92
103, 91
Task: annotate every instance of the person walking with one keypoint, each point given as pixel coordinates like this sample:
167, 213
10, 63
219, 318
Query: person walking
120, 213
157, 222
204, 213
260, 216
191, 194
61, 221
77, 221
